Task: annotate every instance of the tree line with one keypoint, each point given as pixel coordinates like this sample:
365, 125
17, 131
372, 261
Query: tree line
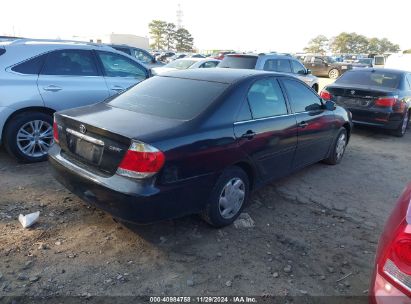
350, 43
165, 35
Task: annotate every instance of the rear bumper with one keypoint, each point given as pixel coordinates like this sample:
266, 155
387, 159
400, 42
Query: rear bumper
132, 200
5, 113
381, 119
382, 292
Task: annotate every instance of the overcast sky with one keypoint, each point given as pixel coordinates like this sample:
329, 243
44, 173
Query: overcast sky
258, 25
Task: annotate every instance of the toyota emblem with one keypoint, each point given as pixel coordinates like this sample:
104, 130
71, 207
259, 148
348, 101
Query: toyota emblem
83, 129
352, 92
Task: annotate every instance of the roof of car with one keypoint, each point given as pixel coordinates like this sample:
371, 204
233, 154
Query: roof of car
52, 42
196, 59
395, 71
265, 55
216, 74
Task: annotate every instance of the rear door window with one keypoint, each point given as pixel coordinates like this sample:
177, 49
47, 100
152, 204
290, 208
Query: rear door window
302, 99
238, 62
143, 56
31, 66
116, 65
70, 62
278, 65
266, 99
298, 68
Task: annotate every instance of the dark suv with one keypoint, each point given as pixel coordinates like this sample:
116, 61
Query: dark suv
326, 66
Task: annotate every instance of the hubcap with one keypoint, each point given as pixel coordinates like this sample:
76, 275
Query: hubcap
232, 198
34, 138
333, 74
405, 123
341, 143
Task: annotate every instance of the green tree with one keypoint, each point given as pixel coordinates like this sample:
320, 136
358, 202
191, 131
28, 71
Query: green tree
349, 43
169, 36
373, 46
407, 51
388, 46
184, 40
317, 45
157, 30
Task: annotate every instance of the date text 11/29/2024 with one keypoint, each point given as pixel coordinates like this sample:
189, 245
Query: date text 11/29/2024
232, 299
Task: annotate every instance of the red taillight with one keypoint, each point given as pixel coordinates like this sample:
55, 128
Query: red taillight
394, 252
55, 132
141, 160
324, 94
385, 102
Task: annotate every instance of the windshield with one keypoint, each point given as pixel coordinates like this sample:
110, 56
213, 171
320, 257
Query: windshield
370, 78
174, 98
180, 64
330, 59
365, 60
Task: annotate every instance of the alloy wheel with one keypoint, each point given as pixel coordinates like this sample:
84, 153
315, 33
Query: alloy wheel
34, 138
333, 74
232, 198
405, 123
341, 144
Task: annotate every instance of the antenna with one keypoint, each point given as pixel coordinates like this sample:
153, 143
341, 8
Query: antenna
179, 16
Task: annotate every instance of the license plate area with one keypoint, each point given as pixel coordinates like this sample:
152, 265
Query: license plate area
354, 102
84, 146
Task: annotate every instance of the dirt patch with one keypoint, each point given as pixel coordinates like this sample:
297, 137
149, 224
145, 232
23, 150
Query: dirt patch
310, 230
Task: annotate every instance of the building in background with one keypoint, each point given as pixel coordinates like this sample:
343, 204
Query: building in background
129, 39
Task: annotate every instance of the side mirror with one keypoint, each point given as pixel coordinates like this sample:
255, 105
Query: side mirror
308, 72
329, 105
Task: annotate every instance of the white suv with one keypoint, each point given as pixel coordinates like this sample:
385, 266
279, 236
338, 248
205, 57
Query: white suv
39, 77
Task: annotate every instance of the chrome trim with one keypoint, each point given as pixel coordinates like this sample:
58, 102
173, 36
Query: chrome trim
86, 137
263, 118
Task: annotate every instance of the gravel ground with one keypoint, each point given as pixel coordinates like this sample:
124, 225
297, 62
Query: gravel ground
311, 229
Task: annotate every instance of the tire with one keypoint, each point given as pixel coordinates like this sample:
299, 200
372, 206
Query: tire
315, 87
334, 73
215, 213
402, 128
338, 148
28, 135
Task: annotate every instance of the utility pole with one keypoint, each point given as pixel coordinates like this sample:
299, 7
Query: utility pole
179, 17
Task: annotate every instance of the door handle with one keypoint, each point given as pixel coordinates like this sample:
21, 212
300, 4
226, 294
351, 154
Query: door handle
52, 88
249, 134
117, 88
303, 124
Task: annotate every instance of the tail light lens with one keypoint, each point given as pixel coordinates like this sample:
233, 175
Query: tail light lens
394, 264
141, 161
55, 131
385, 102
324, 94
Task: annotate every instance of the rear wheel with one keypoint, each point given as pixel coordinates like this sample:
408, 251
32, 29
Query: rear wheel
227, 198
28, 136
334, 73
338, 148
315, 87
402, 129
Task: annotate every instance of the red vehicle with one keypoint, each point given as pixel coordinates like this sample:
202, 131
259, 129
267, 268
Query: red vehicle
391, 280
221, 55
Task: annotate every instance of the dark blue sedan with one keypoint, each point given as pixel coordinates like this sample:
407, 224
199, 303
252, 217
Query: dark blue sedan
194, 141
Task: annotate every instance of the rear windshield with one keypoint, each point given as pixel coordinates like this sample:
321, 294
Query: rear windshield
238, 62
174, 98
371, 78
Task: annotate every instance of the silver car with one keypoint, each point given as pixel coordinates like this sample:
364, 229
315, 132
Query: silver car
186, 63
39, 77
271, 62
